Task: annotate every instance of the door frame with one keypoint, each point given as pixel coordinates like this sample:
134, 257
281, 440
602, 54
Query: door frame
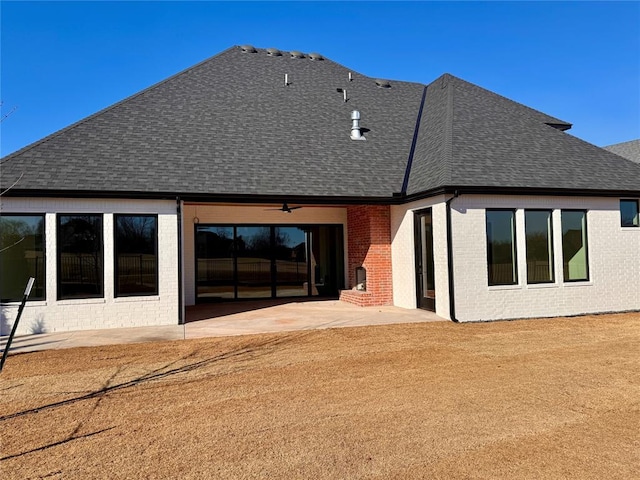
336, 256
420, 244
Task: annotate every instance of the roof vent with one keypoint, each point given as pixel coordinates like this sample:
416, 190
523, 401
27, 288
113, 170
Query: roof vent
274, 52
383, 83
355, 126
248, 49
316, 56
296, 54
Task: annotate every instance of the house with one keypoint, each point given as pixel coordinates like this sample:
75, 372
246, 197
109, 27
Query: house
629, 150
265, 174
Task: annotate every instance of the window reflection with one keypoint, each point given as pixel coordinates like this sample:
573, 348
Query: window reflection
22, 256
501, 247
136, 255
80, 272
539, 246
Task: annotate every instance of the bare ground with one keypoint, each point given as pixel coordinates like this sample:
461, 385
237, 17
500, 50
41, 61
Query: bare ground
556, 398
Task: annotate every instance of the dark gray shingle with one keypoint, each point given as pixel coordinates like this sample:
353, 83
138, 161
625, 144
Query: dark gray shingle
229, 126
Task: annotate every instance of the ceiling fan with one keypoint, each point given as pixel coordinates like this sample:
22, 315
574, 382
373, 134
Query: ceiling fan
284, 208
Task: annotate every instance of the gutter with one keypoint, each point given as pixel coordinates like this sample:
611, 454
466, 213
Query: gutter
396, 198
180, 279
452, 298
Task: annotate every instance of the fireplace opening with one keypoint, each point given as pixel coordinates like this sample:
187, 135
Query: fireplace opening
361, 279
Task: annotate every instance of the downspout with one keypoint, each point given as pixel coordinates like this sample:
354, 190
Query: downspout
452, 298
180, 306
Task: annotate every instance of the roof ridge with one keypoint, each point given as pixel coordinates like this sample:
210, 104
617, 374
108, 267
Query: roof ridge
416, 131
112, 106
448, 126
466, 83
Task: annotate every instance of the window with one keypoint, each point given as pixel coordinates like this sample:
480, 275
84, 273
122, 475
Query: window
538, 237
574, 245
501, 247
136, 255
629, 213
80, 272
22, 256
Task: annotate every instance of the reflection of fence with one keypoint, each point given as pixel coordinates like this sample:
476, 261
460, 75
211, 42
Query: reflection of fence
291, 272
538, 271
215, 270
501, 274
137, 269
80, 269
221, 271
35, 267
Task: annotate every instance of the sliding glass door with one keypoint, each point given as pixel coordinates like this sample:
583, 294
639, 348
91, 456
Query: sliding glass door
290, 250
268, 261
215, 262
253, 262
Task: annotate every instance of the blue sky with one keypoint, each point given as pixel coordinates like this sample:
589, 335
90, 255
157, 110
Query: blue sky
578, 61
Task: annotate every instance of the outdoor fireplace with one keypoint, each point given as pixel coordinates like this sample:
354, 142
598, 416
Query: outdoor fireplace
361, 279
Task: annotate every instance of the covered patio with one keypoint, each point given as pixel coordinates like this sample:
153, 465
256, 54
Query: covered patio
232, 318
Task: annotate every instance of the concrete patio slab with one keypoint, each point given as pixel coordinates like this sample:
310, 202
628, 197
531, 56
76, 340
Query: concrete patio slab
225, 319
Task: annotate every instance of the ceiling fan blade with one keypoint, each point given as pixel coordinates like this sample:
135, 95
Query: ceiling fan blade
285, 208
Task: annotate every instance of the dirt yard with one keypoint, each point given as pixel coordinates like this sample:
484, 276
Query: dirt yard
530, 399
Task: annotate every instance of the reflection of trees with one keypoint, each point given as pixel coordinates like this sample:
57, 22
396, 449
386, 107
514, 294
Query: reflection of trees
218, 244
21, 256
81, 236
14, 230
502, 251
538, 246
136, 234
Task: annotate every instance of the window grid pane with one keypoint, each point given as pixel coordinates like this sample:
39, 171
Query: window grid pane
501, 247
136, 258
629, 213
22, 255
574, 246
80, 256
539, 244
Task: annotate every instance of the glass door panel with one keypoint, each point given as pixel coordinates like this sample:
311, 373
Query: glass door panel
254, 255
290, 248
326, 259
425, 272
214, 263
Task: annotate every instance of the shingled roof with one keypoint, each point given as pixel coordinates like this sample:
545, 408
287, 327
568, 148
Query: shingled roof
629, 150
229, 127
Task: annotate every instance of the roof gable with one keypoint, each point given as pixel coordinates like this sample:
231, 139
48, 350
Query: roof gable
230, 127
476, 138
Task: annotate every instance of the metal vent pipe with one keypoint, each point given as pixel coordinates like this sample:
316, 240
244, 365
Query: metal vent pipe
355, 126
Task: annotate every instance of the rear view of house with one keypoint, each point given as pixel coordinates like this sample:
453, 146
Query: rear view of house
268, 174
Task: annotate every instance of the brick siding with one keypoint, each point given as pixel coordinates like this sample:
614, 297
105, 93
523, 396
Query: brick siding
369, 245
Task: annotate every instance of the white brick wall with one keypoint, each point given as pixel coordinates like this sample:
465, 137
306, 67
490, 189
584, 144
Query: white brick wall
54, 315
613, 252
403, 254
249, 214
614, 260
